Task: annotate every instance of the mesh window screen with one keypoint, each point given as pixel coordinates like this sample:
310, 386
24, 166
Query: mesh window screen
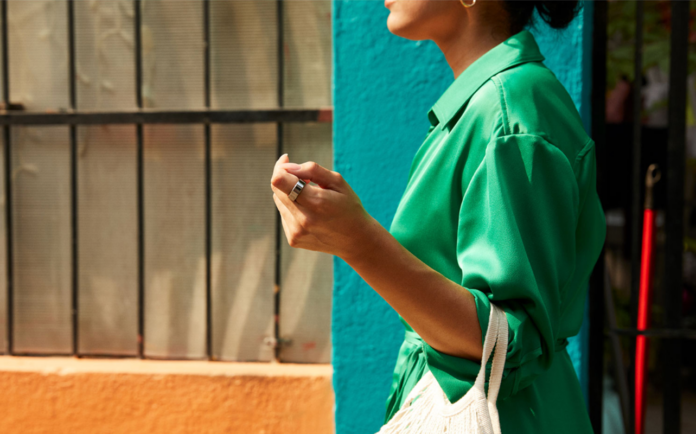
41, 179
3, 254
175, 311
108, 240
173, 42
38, 41
307, 53
107, 213
2, 73
175, 314
244, 59
41, 239
244, 73
306, 276
105, 60
3, 236
244, 219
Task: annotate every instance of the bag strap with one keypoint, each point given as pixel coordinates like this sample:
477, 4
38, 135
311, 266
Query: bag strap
491, 339
497, 368
497, 335
499, 357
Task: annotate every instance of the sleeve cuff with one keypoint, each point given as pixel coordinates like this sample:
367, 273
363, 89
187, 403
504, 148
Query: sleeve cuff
457, 375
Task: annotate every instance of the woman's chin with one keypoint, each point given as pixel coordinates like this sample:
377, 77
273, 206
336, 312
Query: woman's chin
399, 27
392, 23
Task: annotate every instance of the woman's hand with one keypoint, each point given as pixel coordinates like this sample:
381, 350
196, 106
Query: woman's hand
328, 217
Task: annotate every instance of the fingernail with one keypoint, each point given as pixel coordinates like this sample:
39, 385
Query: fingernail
292, 167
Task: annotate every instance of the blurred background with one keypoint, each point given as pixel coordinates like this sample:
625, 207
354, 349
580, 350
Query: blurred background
650, 119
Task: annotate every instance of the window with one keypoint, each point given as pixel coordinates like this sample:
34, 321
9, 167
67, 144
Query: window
139, 140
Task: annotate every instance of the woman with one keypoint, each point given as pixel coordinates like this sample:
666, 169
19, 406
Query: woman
500, 207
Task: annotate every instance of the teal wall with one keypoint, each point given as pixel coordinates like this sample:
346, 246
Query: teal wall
383, 87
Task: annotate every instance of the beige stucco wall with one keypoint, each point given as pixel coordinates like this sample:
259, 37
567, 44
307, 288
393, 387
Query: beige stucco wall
75, 396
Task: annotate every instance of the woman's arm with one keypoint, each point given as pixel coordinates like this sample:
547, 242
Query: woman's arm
442, 312
330, 218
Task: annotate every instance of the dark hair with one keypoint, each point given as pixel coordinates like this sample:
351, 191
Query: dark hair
557, 13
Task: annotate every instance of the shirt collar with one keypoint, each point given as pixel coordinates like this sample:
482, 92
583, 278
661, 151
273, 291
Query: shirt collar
517, 49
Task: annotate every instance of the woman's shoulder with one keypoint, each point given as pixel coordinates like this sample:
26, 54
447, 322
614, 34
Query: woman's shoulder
529, 100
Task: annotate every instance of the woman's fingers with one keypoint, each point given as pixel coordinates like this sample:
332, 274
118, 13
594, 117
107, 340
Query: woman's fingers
283, 159
285, 213
310, 170
293, 231
280, 179
311, 203
318, 218
282, 183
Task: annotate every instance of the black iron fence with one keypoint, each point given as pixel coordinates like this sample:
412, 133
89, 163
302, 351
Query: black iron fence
615, 161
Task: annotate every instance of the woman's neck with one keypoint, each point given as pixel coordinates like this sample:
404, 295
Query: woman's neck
462, 48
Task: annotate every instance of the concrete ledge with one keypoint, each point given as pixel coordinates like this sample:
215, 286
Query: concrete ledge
73, 365
66, 395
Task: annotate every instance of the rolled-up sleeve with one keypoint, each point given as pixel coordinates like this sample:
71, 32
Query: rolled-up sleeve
516, 244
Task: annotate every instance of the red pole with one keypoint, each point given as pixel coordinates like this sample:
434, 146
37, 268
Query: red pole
646, 270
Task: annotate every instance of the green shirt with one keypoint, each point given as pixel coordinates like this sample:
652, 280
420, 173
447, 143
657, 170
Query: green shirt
501, 198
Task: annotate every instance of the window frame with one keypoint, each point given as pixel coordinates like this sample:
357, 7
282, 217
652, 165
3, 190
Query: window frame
13, 114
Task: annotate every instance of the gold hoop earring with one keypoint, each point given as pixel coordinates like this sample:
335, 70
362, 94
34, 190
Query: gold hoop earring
467, 5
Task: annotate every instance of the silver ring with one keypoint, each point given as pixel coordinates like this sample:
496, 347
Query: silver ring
296, 190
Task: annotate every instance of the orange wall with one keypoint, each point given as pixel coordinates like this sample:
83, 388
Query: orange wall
75, 396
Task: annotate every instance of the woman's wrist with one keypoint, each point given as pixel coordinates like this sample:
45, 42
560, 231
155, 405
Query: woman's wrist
365, 243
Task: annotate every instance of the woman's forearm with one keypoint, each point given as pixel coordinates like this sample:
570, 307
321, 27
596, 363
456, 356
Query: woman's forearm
442, 312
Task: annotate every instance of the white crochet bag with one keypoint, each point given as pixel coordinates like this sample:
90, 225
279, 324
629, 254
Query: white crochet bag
427, 410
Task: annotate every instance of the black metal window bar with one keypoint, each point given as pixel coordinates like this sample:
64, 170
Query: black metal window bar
12, 115
672, 333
